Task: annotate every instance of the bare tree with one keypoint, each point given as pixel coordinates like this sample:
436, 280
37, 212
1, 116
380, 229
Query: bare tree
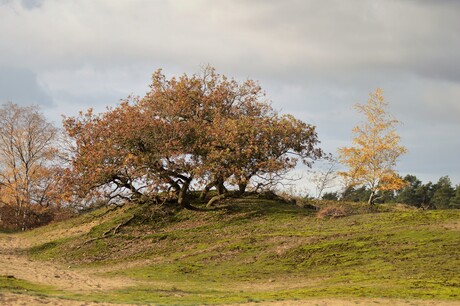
326, 177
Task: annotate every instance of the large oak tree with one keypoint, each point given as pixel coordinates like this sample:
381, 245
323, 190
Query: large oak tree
205, 129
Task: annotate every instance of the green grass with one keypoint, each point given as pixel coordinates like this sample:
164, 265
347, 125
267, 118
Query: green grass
258, 250
12, 284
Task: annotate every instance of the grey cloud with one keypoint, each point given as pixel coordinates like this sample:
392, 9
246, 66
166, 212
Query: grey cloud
288, 39
21, 86
32, 4
27, 4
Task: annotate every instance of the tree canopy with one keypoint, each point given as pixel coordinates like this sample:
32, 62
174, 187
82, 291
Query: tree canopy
203, 129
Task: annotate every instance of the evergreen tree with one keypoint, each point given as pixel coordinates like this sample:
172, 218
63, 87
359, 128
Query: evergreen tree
385, 196
413, 193
455, 201
426, 192
352, 194
332, 196
443, 194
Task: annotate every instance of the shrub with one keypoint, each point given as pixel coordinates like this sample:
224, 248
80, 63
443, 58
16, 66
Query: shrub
34, 216
332, 211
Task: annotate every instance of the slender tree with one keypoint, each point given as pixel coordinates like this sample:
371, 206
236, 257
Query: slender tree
325, 177
372, 158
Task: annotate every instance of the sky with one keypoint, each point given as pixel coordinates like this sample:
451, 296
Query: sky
315, 60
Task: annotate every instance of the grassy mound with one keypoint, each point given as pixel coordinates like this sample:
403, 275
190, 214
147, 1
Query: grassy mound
254, 249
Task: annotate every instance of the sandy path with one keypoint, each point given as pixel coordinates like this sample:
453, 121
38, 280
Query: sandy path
12, 299
13, 262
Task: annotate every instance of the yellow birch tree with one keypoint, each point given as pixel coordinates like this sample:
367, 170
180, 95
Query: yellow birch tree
372, 157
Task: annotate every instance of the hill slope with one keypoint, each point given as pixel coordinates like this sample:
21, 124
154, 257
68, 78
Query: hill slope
246, 250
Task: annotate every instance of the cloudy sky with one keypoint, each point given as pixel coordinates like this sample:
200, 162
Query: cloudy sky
315, 59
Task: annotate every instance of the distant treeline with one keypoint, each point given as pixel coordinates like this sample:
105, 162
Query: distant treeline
440, 195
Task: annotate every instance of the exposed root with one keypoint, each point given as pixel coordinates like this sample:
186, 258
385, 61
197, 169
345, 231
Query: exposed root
215, 199
112, 230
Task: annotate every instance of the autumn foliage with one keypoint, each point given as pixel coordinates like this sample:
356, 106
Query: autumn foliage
29, 168
372, 158
202, 130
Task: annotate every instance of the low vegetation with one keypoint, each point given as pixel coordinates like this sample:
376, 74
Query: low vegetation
256, 249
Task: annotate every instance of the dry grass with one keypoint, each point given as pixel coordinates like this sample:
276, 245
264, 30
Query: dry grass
332, 211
